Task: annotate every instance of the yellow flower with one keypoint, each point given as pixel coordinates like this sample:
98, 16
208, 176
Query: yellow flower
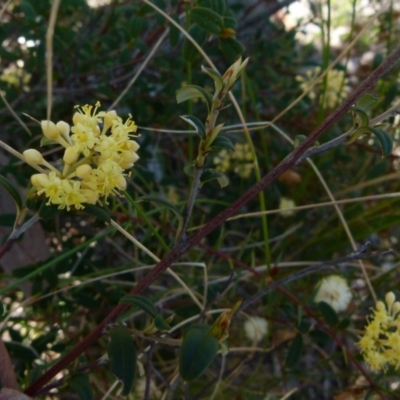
380, 344
94, 159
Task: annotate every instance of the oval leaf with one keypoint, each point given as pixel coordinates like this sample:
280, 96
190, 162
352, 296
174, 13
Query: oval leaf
196, 123
190, 92
210, 174
384, 139
47, 212
217, 78
189, 52
197, 352
223, 142
142, 302
207, 19
189, 168
12, 191
231, 48
122, 355
329, 314
295, 351
82, 387
160, 323
366, 102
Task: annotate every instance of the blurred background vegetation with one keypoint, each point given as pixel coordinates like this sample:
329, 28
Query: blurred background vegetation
98, 49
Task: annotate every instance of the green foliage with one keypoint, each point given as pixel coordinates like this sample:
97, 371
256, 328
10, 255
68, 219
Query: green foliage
197, 352
122, 355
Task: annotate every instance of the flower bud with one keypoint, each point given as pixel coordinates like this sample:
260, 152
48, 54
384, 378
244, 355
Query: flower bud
83, 171
70, 155
39, 180
90, 195
390, 298
121, 183
109, 117
380, 306
32, 157
396, 307
133, 146
50, 130
63, 128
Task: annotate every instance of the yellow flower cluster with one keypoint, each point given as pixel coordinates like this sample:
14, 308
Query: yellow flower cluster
96, 155
16, 77
240, 161
380, 344
336, 86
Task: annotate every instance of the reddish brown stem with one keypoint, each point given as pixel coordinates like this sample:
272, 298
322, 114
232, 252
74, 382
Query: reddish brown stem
186, 244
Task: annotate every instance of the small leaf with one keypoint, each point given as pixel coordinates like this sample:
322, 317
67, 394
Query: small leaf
320, 337
12, 191
219, 6
210, 174
160, 323
217, 78
230, 21
207, 19
142, 302
197, 352
100, 212
361, 118
384, 139
366, 102
223, 142
122, 355
193, 92
196, 123
231, 48
82, 387
329, 314
47, 212
344, 323
135, 26
189, 168
295, 351
189, 52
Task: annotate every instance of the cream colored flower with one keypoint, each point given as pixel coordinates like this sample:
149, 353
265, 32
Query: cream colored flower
335, 291
95, 158
256, 328
380, 344
285, 205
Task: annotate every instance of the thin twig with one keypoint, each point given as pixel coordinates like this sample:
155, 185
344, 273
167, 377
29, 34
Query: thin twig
360, 254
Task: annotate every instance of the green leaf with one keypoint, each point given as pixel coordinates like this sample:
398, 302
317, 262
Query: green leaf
81, 386
196, 123
361, 118
223, 142
174, 32
160, 323
230, 21
217, 78
231, 48
193, 92
189, 168
100, 212
210, 174
384, 139
295, 351
320, 337
197, 352
47, 212
2, 310
12, 191
219, 6
122, 355
366, 102
189, 52
344, 323
135, 26
328, 313
207, 19
142, 302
